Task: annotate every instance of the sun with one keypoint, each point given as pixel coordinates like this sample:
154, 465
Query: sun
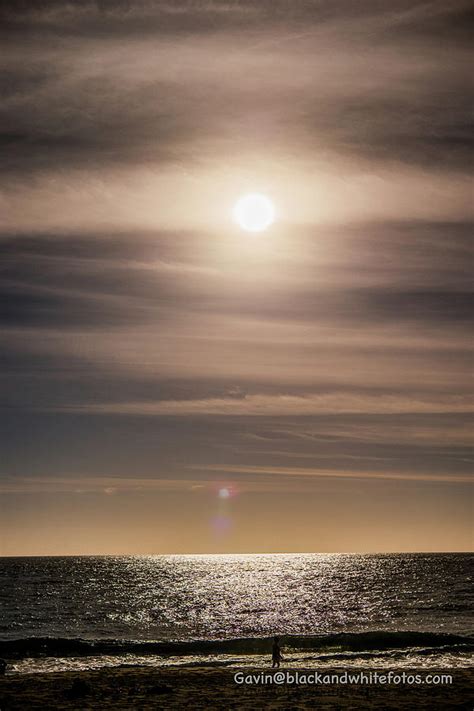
254, 212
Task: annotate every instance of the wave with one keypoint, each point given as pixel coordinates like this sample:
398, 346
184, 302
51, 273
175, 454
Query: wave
338, 645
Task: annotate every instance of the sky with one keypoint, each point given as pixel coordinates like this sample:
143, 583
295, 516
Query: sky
173, 384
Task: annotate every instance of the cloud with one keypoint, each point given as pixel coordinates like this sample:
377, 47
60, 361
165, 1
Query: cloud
412, 272
91, 485
185, 16
143, 333
306, 78
429, 432
282, 405
249, 479
332, 474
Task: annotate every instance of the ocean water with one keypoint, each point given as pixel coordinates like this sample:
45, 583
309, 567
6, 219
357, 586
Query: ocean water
330, 610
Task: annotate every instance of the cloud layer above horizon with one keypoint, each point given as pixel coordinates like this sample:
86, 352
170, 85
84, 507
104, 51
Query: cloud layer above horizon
149, 346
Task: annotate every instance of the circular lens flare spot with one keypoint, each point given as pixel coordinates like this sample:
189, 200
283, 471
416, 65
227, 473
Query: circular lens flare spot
221, 524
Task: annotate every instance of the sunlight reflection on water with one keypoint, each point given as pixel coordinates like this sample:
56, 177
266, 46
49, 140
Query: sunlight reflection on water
227, 596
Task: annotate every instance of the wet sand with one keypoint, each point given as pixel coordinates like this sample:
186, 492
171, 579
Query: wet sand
215, 688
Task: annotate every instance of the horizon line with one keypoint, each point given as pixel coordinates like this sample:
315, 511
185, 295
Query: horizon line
268, 553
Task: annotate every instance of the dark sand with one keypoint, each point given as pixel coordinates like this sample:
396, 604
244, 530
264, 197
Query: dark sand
214, 688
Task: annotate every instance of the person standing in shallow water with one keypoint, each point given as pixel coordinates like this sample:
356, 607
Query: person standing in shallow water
276, 653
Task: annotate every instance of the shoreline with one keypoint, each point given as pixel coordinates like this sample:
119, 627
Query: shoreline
129, 687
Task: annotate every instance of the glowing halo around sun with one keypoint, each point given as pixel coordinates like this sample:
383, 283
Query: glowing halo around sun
254, 212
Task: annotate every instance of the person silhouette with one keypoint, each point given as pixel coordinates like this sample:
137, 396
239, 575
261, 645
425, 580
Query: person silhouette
276, 653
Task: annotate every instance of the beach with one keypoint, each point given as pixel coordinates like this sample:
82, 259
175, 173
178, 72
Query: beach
215, 688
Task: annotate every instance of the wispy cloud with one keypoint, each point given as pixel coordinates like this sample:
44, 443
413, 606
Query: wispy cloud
306, 93
141, 332
92, 485
315, 473
282, 405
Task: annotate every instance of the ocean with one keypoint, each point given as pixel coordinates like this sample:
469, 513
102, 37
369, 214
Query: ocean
373, 610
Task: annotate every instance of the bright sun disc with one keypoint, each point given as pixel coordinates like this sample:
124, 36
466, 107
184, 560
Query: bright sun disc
254, 212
